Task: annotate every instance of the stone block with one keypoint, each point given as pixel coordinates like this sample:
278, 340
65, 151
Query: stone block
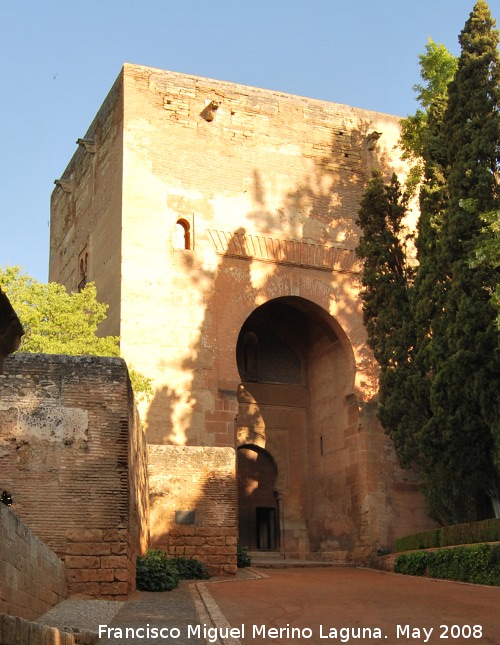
83, 562
8, 630
114, 562
114, 588
88, 548
115, 535
85, 535
216, 541
90, 575
119, 548
85, 589
122, 575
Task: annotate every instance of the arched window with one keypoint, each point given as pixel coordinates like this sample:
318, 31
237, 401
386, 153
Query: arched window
182, 238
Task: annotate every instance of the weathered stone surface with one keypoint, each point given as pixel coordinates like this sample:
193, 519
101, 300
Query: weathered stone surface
73, 455
32, 577
202, 233
202, 480
52, 424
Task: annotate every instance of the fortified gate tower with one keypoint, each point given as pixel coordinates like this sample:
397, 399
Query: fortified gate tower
218, 223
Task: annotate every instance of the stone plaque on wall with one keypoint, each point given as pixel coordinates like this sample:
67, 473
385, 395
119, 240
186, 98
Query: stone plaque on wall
185, 517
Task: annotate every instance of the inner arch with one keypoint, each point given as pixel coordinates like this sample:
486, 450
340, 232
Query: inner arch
296, 371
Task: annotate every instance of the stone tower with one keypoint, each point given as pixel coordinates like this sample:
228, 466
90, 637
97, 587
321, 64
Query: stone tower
218, 223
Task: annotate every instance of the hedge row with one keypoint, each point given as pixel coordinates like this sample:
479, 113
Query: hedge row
479, 563
471, 533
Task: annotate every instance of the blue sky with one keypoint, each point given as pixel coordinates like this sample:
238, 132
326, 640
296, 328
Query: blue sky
60, 57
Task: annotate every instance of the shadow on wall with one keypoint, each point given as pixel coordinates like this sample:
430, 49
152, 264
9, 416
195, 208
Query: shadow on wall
321, 210
320, 213
193, 504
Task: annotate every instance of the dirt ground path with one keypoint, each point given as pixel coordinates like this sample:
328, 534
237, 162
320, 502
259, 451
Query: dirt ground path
335, 605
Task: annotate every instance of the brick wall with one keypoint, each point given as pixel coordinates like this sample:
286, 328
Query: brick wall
193, 504
32, 578
73, 459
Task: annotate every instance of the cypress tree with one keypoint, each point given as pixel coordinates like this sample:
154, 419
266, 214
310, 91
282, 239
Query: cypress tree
461, 354
437, 68
386, 283
435, 338
426, 301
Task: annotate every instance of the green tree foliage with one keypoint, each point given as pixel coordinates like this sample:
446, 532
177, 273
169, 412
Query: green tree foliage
444, 414
58, 322
55, 321
386, 292
464, 350
487, 253
437, 68
427, 302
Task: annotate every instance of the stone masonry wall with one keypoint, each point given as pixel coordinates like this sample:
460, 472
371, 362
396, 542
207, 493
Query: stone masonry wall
14, 630
269, 186
193, 504
66, 438
32, 578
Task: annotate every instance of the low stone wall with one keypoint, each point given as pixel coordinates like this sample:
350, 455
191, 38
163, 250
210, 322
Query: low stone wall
384, 562
193, 504
17, 631
32, 578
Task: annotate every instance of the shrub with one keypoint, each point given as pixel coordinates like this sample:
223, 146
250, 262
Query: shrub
156, 572
479, 563
469, 533
411, 564
242, 557
424, 540
191, 569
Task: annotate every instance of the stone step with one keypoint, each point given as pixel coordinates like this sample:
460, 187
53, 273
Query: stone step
275, 560
268, 555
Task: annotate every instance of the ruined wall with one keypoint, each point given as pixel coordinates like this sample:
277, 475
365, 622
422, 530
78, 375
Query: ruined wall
32, 578
193, 504
70, 458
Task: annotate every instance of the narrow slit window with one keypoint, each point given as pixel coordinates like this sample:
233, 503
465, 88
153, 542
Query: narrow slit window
182, 239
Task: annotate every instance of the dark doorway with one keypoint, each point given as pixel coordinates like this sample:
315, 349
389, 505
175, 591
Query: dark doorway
258, 508
266, 529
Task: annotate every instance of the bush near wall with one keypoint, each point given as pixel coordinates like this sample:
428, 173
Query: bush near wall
156, 571
470, 533
479, 563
